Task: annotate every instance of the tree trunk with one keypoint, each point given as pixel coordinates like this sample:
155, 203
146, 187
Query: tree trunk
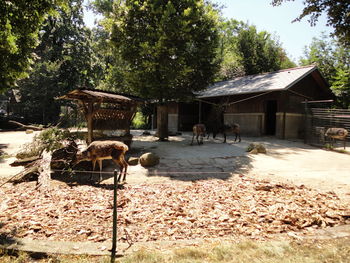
44, 177
162, 122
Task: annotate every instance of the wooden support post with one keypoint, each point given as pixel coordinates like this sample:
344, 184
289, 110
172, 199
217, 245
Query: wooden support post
284, 125
89, 119
162, 122
285, 109
114, 237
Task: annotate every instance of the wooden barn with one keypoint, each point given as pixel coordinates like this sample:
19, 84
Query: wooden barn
263, 104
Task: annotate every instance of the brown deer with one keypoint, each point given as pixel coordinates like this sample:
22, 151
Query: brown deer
98, 151
224, 129
337, 133
198, 131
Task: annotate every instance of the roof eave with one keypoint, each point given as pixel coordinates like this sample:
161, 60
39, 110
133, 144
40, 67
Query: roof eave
300, 78
242, 93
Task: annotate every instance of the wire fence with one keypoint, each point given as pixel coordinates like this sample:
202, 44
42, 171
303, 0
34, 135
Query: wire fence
149, 172
319, 118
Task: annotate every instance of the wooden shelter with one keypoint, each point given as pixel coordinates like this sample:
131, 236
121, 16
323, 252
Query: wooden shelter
105, 111
263, 104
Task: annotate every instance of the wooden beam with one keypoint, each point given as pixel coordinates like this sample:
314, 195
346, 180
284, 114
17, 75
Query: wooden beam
89, 119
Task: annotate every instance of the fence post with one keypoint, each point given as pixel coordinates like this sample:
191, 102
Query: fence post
306, 124
114, 237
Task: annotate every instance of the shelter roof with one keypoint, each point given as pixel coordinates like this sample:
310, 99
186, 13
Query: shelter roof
273, 81
100, 96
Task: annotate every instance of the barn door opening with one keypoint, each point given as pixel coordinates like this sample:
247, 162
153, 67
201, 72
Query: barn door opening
270, 117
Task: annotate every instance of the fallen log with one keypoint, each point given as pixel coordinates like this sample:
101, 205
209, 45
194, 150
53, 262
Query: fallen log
25, 161
22, 176
22, 127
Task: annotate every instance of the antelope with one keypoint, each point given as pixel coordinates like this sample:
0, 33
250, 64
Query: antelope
224, 129
198, 130
337, 133
98, 151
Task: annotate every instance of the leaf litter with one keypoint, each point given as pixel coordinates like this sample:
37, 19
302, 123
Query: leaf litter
239, 207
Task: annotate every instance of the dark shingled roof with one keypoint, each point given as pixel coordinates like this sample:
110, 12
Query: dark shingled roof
273, 81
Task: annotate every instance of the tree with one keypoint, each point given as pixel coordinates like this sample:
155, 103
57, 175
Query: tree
260, 52
333, 59
112, 65
230, 61
337, 12
243, 50
169, 46
104, 7
341, 86
20, 22
65, 61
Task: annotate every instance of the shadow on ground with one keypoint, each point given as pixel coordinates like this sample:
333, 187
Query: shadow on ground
7, 239
179, 161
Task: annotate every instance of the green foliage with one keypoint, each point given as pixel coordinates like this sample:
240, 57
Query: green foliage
49, 139
333, 59
104, 7
52, 138
245, 51
65, 61
230, 61
341, 86
169, 46
139, 121
337, 15
260, 52
20, 22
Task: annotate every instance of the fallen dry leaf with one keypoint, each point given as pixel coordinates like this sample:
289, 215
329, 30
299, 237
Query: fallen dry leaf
206, 209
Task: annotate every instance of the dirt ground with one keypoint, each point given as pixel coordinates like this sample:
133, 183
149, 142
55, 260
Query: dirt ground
69, 212
285, 161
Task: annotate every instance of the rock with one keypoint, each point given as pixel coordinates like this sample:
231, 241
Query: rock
254, 151
149, 159
250, 147
29, 131
255, 148
133, 161
261, 148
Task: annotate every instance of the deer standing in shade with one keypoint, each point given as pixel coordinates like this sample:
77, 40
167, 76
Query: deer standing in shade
224, 129
198, 131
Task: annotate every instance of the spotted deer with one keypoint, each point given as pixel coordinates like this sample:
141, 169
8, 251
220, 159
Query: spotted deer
98, 151
198, 131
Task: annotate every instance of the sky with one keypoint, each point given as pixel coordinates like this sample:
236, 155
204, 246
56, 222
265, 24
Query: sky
275, 20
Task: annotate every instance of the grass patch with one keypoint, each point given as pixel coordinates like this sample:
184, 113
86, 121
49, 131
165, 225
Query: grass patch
12, 256
325, 251
330, 251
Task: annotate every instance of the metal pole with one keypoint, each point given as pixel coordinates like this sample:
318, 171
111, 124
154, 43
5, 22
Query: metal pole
114, 237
